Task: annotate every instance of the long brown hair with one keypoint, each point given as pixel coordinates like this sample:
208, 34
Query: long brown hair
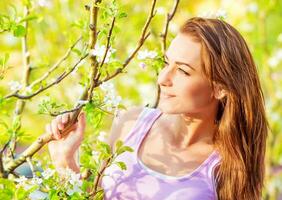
242, 126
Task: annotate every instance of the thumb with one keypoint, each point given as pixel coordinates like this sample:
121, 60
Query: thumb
81, 122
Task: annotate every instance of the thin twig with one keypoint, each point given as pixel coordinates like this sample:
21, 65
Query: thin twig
58, 80
168, 19
67, 111
107, 46
56, 65
108, 41
98, 177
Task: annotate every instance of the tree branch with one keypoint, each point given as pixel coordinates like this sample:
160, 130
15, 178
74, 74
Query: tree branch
92, 42
142, 39
58, 80
107, 46
1, 159
56, 65
25, 81
169, 17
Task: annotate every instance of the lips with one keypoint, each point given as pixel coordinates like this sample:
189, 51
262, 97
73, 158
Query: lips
167, 95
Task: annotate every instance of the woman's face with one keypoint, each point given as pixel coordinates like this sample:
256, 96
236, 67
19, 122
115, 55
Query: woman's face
184, 89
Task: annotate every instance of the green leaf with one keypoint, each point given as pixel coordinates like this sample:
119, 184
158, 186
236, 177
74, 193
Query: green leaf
77, 51
121, 165
103, 147
118, 144
124, 149
122, 15
19, 31
28, 18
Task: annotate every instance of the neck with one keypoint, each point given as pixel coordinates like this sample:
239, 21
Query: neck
190, 130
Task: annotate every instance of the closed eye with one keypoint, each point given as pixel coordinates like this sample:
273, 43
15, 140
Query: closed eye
184, 72
179, 69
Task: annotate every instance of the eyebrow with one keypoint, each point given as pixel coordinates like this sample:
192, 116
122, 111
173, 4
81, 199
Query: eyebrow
181, 63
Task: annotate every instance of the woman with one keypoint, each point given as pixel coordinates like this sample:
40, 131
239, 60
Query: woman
206, 139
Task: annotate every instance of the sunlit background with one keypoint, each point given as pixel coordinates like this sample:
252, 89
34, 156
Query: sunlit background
58, 23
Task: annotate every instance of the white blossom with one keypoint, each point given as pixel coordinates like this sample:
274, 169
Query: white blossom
102, 136
111, 99
22, 182
146, 54
36, 180
75, 179
21, 179
99, 51
15, 85
48, 173
82, 102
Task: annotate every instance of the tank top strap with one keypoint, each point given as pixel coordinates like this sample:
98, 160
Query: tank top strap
211, 169
143, 124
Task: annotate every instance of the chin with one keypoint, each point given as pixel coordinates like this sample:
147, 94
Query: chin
168, 109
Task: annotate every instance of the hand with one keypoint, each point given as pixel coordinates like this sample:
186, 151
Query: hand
63, 148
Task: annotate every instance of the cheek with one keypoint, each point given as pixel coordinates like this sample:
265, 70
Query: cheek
197, 93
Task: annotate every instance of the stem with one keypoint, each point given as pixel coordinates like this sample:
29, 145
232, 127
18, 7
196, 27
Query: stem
92, 42
169, 17
58, 80
25, 81
98, 177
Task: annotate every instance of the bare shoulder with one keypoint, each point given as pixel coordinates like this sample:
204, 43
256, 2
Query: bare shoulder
123, 123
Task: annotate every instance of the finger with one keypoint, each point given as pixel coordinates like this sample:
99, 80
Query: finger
81, 122
65, 118
49, 131
55, 130
60, 123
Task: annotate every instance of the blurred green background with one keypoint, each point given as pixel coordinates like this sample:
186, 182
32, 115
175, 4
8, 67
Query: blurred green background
58, 23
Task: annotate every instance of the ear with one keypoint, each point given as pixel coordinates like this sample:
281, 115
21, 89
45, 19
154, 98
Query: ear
219, 92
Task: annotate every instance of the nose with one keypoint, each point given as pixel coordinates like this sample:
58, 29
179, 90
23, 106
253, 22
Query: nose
165, 77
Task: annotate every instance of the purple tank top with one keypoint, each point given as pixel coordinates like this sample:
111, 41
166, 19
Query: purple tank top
139, 182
